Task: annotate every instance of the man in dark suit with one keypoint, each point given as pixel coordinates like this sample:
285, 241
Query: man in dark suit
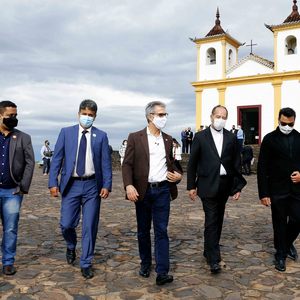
150, 176
214, 174
279, 184
189, 140
16, 170
82, 156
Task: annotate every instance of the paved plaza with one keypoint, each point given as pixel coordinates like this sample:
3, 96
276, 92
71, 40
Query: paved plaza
247, 253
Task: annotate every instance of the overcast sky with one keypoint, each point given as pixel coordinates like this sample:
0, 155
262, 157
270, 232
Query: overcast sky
121, 53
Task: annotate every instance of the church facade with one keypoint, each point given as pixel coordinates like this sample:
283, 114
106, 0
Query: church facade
253, 89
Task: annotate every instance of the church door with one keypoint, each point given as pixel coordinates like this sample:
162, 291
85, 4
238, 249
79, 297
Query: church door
249, 117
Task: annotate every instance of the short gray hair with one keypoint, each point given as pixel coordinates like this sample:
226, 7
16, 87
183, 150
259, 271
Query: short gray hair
150, 107
89, 104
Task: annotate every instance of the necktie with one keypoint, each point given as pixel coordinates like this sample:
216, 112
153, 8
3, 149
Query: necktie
80, 169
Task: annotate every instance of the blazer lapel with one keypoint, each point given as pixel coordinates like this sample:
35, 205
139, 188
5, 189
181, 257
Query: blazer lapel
211, 141
144, 141
74, 142
166, 142
12, 147
225, 141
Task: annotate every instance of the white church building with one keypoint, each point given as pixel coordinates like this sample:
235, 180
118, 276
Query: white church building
253, 89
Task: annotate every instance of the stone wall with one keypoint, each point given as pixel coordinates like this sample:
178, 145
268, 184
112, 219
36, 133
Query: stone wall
185, 158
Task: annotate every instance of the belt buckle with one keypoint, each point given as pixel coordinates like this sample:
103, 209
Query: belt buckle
154, 185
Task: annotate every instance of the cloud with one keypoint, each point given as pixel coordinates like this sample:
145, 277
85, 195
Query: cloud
121, 53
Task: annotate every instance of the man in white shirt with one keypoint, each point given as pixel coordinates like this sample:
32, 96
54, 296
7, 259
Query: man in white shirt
213, 174
150, 176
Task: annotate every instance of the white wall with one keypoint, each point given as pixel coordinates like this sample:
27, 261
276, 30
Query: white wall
287, 62
249, 68
233, 60
210, 98
252, 94
210, 72
290, 93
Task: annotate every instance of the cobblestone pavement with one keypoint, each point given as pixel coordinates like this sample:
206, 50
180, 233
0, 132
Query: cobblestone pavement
247, 250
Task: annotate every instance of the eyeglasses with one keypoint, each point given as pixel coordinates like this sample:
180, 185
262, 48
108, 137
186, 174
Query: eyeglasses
284, 123
160, 115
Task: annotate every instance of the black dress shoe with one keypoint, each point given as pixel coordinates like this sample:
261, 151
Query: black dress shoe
145, 270
292, 253
280, 264
163, 279
215, 268
9, 270
70, 256
87, 272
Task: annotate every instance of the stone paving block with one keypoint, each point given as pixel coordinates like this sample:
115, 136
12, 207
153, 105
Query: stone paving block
246, 246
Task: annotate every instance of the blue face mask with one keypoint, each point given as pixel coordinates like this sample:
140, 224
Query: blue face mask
86, 121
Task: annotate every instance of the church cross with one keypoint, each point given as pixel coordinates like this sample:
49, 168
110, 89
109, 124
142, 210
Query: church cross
251, 45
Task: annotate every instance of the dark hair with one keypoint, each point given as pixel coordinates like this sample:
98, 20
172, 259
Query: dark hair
6, 103
219, 106
287, 112
88, 104
176, 142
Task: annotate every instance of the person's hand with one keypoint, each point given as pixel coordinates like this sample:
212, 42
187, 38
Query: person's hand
193, 194
132, 193
18, 193
104, 193
295, 177
174, 176
54, 191
236, 196
266, 201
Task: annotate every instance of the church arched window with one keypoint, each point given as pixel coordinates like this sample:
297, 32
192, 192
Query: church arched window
211, 56
230, 58
290, 45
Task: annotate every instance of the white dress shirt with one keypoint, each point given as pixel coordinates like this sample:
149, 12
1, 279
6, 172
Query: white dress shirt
89, 164
218, 140
157, 156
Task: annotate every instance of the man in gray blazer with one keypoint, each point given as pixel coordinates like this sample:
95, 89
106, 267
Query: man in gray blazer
214, 174
16, 170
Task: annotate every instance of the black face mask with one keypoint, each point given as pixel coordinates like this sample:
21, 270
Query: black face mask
10, 122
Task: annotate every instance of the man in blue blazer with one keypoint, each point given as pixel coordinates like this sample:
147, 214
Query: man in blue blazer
82, 158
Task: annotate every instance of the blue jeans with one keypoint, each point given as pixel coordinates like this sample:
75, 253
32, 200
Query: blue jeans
10, 205
155, 206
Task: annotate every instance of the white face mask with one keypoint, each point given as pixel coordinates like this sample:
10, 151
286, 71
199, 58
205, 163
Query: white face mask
159, 122
286, 129
219, 124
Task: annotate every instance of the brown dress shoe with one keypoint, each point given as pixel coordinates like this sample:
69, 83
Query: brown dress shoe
9, 270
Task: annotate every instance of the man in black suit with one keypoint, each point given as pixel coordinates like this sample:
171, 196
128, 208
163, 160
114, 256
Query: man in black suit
189, 140
214, 174
16, 165
278, 180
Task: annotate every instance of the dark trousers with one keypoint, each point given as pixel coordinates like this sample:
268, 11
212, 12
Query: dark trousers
184, 146
247, 167
46, 165
81, 195
188, 146
286, 222
155, 206
214, 209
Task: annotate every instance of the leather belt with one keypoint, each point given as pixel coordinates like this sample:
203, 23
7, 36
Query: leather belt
84, 178
153, 185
